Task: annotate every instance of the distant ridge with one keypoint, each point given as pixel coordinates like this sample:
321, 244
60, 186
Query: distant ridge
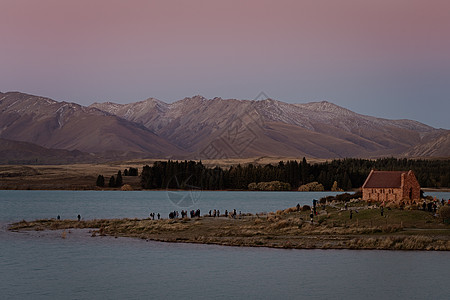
200, 128
316, 129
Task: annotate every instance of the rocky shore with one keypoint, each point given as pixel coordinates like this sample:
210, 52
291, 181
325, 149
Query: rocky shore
331, 228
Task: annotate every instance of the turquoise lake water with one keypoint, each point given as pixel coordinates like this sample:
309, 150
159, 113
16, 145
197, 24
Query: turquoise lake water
42, 265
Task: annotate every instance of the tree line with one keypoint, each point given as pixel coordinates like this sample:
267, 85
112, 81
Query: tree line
348, 173
116, 181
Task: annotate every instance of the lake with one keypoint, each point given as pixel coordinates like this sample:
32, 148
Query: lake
42, 265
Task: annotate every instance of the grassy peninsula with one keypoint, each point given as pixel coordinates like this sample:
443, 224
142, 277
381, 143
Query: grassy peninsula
332, 228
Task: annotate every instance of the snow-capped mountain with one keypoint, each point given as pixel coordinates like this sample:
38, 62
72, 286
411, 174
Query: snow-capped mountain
317, 129
196, 127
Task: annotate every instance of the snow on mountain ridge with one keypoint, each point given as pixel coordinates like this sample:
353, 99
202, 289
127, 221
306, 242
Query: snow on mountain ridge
305, 115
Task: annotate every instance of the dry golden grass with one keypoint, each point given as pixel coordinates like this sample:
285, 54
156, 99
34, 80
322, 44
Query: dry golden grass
84, 176
62, 177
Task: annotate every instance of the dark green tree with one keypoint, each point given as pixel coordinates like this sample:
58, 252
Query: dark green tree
119, 180
112, 181
100, 181
132, 171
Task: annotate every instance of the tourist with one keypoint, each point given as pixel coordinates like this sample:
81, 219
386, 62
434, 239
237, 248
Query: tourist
159, 216
58, 218
210, 213
226, 213
311, 215
79, 218
298, 206
218, 213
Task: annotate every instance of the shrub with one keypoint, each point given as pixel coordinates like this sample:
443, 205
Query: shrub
312, 186
252, 186
290, 210
342, 197
444, 212
306, 208
335, 187
269, 186
126, 187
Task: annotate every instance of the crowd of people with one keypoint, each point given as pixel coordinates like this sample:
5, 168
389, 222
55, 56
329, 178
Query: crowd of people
196, 214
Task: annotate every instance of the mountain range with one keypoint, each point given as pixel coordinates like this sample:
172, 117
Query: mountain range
202, 128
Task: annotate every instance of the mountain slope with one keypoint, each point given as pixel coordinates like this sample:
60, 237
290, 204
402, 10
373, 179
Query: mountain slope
70, 126
14, 152
317, 129
437, 147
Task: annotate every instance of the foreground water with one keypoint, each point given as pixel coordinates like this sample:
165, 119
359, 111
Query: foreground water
42, 265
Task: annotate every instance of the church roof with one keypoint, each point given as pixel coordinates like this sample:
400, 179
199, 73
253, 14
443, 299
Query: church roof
384, 179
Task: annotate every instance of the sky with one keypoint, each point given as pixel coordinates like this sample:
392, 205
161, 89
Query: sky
385, 58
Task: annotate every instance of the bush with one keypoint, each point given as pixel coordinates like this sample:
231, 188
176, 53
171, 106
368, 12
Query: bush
311, 187
252, 186
335, 187
269, 186
444, 212
126, 187
306, 208
346, 197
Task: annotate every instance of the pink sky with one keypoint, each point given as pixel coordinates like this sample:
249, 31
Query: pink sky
388, 58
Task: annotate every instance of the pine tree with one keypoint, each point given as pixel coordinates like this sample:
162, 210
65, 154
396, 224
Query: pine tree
119, 180
112, 181
100, 181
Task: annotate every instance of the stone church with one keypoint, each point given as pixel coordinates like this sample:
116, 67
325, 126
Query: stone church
395, 186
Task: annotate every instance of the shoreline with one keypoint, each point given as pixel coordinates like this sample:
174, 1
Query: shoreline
438, 190
287, 229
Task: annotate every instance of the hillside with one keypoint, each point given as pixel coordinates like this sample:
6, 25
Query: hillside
70, 126
13, 152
